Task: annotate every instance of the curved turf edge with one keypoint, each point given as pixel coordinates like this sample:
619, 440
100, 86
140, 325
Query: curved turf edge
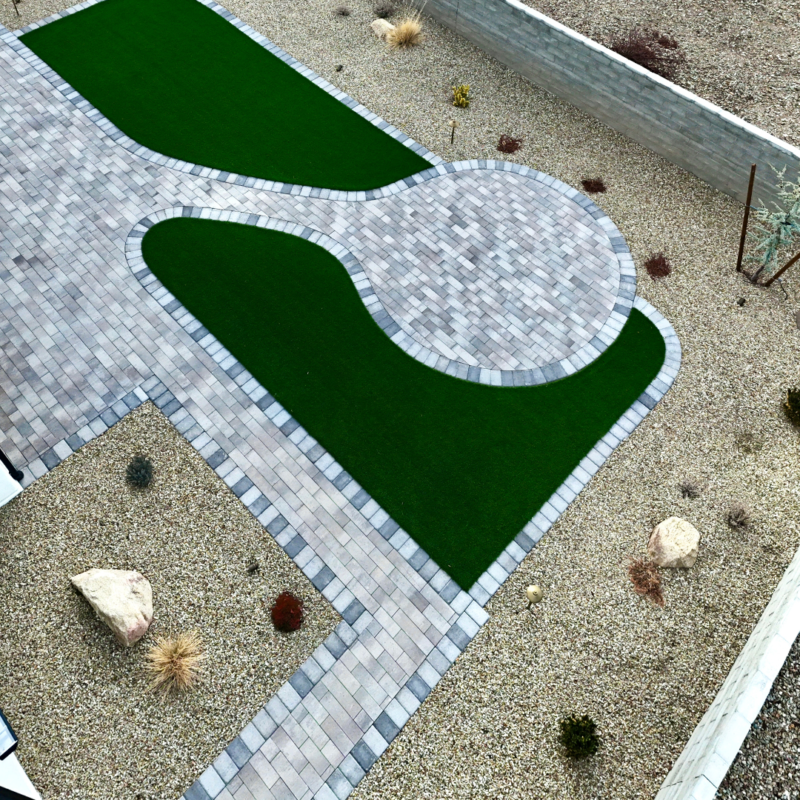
462, 467
181, 80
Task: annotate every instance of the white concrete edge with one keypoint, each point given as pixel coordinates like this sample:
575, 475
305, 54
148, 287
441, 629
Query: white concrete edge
13, 778
718, 737
673, 87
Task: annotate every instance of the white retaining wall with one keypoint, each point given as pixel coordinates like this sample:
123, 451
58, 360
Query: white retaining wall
718, 737
685, 129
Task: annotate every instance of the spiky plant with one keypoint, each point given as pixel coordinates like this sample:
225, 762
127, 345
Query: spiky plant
646, 580
175, 662
791, 406
139, 472
690, 489
778, 230
738, 516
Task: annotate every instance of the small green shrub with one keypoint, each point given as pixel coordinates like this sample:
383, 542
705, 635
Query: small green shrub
791, 406
140, 472
579, 736
461, 96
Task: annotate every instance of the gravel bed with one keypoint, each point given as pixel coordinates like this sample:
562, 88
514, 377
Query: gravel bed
89, 729
646, 674
740, 54
768, 765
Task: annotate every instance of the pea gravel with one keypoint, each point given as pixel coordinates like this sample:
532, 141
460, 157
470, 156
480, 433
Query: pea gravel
768, 766
89, 729
644, 673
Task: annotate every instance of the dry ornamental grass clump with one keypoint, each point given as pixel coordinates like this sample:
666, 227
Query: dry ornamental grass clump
656, 52
791, 406
175, 662
407, 33
508, 144
646, 580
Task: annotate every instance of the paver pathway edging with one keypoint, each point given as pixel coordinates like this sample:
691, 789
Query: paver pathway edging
83, 342
494, 324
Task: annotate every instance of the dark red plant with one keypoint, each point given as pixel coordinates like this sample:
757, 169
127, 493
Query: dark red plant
508, 144
656, 52
593, 185
287, 612
658, 266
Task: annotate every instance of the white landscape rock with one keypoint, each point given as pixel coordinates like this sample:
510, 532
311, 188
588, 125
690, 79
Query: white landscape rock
122, 599
674, 543
381, 27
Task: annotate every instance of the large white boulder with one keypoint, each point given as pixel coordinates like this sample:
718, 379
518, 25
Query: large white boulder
674, 543
122, 599
381, 27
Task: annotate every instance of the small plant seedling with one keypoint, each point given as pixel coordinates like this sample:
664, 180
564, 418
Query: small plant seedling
738, 516
508, 144
578, 735
791, 406
461, 96
253, 567
287, 612
690, 489
593, 185
139, 472
740, 302
646, 580
342, 11
384, 10
749, 443
175, 662
658, 266
339, 67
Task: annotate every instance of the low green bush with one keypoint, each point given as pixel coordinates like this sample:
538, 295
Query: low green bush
579, 736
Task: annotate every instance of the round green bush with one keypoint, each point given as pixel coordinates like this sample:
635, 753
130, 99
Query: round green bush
579, 735
139, 472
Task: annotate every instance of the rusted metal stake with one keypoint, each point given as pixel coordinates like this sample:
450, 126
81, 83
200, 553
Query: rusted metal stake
15, 6
783, 269
746, 217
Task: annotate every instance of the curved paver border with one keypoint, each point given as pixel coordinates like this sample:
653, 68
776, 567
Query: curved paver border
494, 377
502, 567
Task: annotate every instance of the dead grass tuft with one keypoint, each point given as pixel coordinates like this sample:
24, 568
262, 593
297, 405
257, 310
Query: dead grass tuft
175, 661
646, 580
407, 33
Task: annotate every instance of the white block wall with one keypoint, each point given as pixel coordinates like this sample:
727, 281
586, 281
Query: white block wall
685, 129
718, 737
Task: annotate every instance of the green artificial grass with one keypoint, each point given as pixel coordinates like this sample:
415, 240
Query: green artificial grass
462, 467
180, 79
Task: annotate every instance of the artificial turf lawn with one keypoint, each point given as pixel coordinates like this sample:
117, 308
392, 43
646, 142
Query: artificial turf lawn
180, 79
462, 467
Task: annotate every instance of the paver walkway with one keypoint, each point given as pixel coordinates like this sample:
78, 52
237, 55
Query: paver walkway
83, 341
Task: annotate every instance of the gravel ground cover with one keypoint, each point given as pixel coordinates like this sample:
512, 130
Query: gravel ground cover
740, 54
768, 765
646, 674
88, 726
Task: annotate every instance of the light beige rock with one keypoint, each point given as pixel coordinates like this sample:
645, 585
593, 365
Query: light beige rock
674, 543
122, 599
381, 27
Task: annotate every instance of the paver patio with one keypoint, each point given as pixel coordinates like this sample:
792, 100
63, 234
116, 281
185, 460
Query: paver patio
86, 342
